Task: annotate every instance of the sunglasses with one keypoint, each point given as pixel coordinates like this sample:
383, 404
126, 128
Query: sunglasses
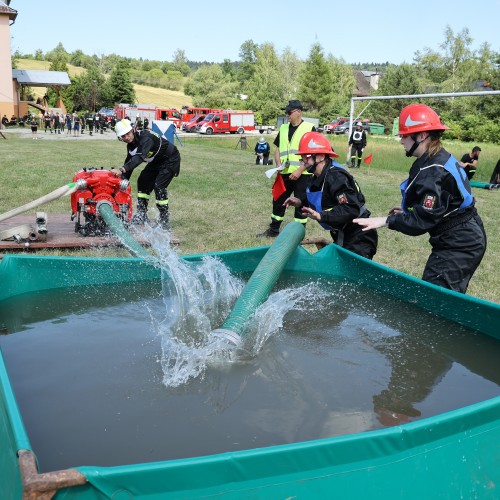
290, 112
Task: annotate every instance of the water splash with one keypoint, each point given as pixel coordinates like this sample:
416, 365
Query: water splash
198, 297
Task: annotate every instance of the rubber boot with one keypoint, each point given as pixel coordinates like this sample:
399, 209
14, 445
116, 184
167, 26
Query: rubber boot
272, 231
141, 216
163, 220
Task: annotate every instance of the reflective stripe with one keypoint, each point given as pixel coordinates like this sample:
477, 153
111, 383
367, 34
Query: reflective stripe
143, 195
302, 221
277, 217
162, 202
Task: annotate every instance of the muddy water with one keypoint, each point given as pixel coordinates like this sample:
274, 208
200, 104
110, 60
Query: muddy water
86, 369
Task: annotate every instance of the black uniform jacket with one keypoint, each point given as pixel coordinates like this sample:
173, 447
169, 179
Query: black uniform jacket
151, 148
342, 200
432, 197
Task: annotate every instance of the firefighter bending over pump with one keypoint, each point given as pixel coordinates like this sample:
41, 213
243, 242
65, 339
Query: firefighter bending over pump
162, 165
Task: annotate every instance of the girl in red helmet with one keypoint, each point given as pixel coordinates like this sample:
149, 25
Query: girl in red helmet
334, 197
437, 199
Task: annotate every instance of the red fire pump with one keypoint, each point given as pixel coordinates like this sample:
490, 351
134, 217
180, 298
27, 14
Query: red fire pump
95, 187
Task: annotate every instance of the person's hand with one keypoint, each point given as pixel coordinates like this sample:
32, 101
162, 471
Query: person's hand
295, 175
371, 222
395, 210
292, 202
312, 214
116, 171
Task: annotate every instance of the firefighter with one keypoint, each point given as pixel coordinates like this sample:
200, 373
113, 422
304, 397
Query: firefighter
262, 150
437, 199
357, 144
291, 169
334, 197
163, 164
90, 122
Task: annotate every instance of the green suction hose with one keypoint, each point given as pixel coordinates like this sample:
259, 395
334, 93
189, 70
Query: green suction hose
115, 224
261, 282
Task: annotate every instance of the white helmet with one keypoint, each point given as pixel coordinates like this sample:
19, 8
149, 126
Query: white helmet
262, 140
359, 124
122, 127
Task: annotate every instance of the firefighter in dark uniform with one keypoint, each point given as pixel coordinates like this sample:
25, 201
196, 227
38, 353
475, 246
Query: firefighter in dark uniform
357, 144
90, 122
437, 199
163, 164
334, 198
103, 123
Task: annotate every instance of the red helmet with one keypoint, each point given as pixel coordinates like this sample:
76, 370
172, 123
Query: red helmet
419, 118
313, 143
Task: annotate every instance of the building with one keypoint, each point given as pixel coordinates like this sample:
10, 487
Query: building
7, 85
14, 99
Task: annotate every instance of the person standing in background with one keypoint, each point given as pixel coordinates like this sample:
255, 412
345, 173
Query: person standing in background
357, 144
289, 164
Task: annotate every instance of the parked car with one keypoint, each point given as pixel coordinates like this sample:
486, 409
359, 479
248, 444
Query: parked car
329, 127
344, 127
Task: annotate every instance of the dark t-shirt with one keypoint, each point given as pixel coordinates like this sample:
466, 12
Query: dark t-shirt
291, 131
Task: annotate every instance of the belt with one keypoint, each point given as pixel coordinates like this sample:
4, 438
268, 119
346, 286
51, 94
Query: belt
464, 215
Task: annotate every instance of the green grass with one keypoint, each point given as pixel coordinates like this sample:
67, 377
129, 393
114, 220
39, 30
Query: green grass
222, 199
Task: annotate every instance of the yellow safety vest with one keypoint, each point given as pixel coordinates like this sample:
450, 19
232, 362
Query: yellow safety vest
289, 149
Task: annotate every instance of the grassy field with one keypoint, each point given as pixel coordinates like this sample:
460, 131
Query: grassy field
145, 95
222, 199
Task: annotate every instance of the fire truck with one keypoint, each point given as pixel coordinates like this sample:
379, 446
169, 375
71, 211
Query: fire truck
188, 112
149, 111
234, 122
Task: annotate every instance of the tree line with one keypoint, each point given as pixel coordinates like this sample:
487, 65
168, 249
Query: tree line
264, 80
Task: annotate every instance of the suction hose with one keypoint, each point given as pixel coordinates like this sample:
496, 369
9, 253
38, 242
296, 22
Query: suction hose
54, 195
261, 282
115, 224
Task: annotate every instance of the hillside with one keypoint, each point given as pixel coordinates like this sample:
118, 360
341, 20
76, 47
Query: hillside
145, 95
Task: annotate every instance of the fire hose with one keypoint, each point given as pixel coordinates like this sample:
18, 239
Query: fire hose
54, 195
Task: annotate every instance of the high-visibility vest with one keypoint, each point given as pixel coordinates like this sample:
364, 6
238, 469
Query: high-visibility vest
289, 149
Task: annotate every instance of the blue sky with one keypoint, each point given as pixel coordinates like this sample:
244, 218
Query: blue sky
381, 30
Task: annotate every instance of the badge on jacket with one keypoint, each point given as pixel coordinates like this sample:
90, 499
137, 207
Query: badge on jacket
342, 198
429, 201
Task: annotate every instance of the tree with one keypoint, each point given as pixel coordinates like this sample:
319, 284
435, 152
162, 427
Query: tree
290, 66
399, 80
343, 83
180, 62
211, 88
248, 58
266, 88
119, 85
316, 81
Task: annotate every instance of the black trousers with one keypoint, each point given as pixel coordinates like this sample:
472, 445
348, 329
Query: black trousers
456, 254
157, 177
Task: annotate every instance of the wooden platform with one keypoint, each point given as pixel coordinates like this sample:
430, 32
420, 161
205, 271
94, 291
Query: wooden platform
61, 234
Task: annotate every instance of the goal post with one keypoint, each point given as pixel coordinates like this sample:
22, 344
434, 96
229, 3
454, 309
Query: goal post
410, 96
